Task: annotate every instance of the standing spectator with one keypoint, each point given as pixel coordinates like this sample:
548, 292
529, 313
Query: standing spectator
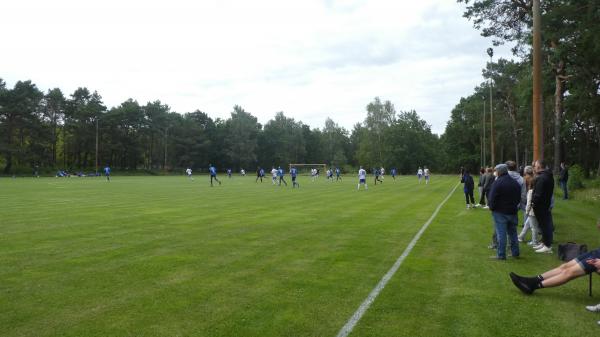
530, 220
487, 183
480, 184
541, 200
504, 200
487, 186
468, 188
563, 178
513, 173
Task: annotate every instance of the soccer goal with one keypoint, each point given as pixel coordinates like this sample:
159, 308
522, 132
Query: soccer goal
305, 169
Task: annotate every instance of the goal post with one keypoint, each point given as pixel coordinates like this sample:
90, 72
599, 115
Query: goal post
304, 169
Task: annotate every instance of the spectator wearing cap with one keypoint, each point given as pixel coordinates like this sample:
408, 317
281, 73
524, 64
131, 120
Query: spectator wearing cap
504, 199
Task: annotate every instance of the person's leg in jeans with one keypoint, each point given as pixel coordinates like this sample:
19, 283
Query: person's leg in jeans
500, 222
511, 228
535, 230
563, 186
526, 227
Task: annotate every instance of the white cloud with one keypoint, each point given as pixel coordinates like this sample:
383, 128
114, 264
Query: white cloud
311, 59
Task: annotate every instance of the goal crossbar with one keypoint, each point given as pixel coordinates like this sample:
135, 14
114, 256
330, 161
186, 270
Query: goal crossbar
299, 166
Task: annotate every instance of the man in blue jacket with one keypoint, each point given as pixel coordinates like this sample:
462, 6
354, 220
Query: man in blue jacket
504, 199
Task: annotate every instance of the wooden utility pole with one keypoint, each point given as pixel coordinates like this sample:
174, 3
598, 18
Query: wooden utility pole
483, 145
490, 52
96, 145
538, 137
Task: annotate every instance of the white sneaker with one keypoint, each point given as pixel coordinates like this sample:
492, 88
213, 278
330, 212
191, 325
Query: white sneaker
520, 239
532, 244
544, 249
538, 246
478, 205
593, 308
468, 206
486, 207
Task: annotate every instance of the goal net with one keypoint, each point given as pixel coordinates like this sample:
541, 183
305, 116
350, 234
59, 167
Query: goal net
305, 169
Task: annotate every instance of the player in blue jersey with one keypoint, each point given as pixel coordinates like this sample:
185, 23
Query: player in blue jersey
107, 172
281, 174
338, 174
213, 174
260, 173
377, 173
393, 172
294, 174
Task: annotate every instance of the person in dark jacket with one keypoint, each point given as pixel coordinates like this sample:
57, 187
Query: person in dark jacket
468, 188
563, 178
504, 199
541, 204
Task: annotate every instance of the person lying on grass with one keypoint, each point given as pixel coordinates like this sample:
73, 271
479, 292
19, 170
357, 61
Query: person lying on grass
586, 263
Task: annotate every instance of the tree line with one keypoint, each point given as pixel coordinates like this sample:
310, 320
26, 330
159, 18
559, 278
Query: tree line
49, 131
571, 86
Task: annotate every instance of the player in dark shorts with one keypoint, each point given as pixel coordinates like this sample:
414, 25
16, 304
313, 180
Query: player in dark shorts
294, 173
213, 175
260, 173
377, 174
281, 175
107, 172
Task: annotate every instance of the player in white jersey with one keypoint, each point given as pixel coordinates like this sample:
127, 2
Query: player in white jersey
420, 174
189, 173
243, 172
274, 175
426, 173
382, 173
362, 178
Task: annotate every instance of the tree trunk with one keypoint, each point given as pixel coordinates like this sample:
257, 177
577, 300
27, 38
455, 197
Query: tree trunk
598, 138
558, 112
8, 153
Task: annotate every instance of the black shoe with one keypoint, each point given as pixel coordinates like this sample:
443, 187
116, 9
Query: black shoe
520, 283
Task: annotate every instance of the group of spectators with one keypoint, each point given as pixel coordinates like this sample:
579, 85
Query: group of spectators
505, 190
530, 190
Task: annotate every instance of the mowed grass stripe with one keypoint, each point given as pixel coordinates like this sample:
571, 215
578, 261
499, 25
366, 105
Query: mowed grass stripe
239, 259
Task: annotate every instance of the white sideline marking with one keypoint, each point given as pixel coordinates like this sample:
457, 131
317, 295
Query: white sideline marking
349, 326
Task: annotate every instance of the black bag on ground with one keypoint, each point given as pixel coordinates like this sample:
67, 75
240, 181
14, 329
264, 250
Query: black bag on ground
570, 250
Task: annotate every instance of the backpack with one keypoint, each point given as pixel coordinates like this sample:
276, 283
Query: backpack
570, 250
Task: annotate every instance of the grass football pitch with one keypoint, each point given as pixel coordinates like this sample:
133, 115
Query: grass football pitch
166, 256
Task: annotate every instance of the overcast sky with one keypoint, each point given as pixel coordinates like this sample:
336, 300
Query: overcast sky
312, 59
